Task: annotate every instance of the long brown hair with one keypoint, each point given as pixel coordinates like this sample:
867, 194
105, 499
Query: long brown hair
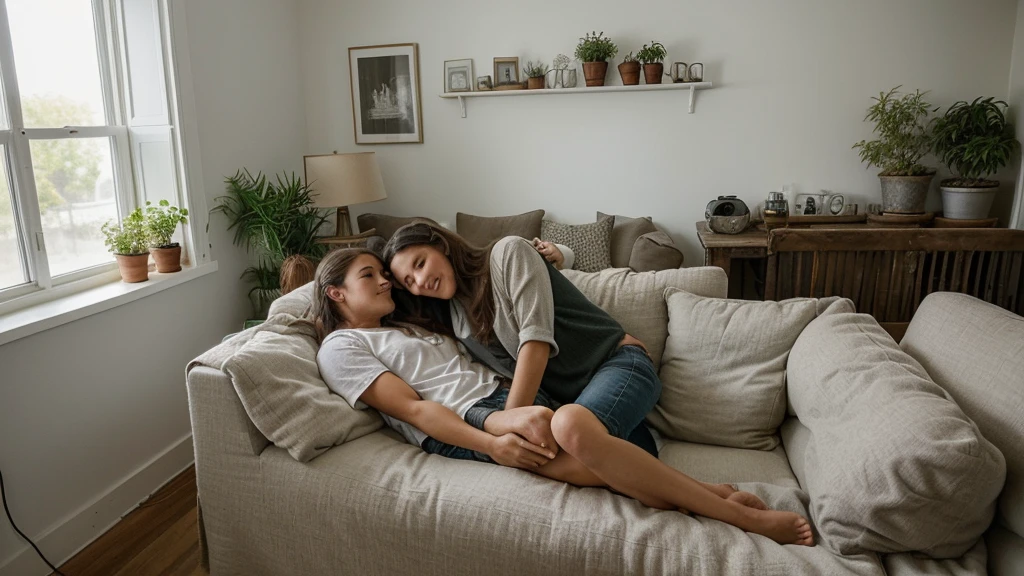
472, 267
331, 272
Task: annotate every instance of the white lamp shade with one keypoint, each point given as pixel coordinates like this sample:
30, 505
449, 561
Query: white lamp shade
344, 179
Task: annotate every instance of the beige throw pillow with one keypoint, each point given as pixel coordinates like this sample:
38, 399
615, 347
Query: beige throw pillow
482, 230
892, 463
625, 231
723, 372
590, 242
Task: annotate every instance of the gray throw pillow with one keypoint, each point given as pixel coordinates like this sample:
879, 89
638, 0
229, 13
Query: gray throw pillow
590, 242
625, 232
655, 251
482, 230
386, 225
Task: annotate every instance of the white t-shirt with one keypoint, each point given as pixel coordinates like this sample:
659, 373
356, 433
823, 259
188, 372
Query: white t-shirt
435, 366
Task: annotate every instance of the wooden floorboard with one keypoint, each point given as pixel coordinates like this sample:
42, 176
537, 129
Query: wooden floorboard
159, 538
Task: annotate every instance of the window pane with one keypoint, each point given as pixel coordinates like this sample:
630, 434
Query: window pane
12, 271
75, 185
55, 56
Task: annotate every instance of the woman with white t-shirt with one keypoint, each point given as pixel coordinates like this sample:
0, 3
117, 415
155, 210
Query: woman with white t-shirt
426, 387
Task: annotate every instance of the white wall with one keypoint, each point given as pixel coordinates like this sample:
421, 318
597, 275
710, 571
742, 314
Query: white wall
792, 81
84, 406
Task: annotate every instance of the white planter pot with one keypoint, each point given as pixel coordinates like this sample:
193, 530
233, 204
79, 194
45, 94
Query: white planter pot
967, 203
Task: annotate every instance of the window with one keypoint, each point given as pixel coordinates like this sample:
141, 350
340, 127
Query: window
88, 132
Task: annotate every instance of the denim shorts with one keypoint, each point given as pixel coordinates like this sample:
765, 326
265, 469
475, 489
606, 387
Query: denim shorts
475, 417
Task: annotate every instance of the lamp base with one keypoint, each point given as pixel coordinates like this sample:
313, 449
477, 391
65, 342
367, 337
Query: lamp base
344, 226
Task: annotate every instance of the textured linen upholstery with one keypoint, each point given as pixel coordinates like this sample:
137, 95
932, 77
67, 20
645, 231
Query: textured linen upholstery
892, 463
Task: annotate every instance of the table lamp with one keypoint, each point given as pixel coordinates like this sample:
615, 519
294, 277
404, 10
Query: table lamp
340, 180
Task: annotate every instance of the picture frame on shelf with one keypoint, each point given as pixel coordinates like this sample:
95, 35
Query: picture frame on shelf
506, 74
458, 75
385, 86
483, 84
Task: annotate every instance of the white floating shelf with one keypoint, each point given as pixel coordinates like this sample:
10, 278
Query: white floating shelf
692, 87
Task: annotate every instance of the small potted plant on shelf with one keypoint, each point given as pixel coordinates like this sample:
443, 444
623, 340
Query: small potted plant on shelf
594, 50
652, 57
535, 74
974, 141
129, 241
629, 70
162, 220
901, 123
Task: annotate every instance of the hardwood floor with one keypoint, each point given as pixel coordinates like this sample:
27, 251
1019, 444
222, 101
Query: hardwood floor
159, 538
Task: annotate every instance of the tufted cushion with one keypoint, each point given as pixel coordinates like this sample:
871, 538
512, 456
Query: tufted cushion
590, 242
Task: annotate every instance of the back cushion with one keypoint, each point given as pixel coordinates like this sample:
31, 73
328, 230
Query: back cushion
892, 463
386, 225
624, 234
482, 230
975, 351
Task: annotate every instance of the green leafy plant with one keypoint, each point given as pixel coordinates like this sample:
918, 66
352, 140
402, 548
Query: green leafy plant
274, 220
535, 70
130, 237
628, 58
904, 134
651, 54
595, 47
974, 140
162, 220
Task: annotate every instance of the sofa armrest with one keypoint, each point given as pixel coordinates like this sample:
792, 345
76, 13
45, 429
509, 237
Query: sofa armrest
221, 430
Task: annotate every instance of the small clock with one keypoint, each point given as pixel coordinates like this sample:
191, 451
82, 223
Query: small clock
835, 204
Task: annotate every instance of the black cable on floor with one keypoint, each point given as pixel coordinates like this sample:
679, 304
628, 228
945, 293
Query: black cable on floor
3, 496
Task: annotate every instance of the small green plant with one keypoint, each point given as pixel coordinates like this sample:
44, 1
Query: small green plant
628, 58
904, 135
974, 140
595, 47
162, 220
651, 54
130, 237
535, 70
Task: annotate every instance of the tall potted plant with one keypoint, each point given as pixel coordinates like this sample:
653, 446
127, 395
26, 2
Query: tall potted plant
901, 123
594, 50
629, 70
653, 57
974, 141
275, 220
129, 241
162, 220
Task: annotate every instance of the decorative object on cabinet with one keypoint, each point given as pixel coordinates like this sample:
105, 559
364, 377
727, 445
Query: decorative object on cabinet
458, 75
652, 58
594, 50
506, 74
385, 82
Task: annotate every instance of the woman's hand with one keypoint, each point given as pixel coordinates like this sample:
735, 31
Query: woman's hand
550, 252
512, 450
534, 424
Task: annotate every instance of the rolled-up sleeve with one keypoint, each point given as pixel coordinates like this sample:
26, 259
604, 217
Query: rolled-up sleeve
520, 273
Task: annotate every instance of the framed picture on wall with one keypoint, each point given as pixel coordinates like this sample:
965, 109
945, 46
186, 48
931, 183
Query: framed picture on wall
458, 75
385, 84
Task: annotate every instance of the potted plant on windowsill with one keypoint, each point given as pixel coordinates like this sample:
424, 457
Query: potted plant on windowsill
903, 139
629, 70
974, 141
162, 221
129, 241
535, 75
594, 50
652, 57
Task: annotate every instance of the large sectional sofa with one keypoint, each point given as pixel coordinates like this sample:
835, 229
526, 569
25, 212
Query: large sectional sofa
907, 457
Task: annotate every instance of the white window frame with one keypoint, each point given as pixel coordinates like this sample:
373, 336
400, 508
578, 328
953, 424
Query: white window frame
112, 53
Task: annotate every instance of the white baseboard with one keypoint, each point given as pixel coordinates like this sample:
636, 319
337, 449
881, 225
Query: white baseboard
70, 535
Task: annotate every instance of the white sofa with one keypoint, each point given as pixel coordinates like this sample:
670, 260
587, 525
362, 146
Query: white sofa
292, 482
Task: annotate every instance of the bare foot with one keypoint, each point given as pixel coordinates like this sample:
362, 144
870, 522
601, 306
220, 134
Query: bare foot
783, 527
747, 499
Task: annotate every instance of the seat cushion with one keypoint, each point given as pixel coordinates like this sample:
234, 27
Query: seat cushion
482, 230
721, 465
892, 463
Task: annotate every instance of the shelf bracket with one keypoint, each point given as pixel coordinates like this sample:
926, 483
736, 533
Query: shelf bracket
693, 93
462, 103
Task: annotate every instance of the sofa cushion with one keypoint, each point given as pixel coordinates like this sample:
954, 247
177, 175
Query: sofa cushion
892, 463
590, 242
724, 370
625, 231
275, 374
637, 301
722, 465
387, 225
654, 251
975, 351
482, 230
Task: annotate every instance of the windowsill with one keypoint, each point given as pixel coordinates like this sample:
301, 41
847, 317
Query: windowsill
44, 316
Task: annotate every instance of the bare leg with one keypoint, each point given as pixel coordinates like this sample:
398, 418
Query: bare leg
567, 468
632, 471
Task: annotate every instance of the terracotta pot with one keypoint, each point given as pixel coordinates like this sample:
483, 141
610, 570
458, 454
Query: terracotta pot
133, 267
594, 72
168, 258
630, 73
535, 83
653, 72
